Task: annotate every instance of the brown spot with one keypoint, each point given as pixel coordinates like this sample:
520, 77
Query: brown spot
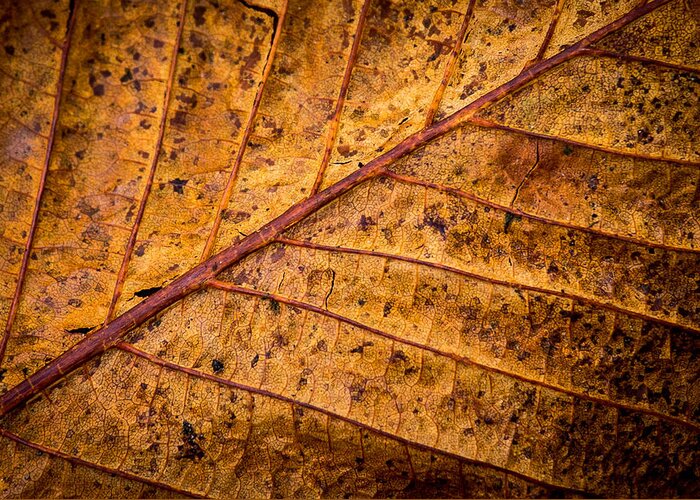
199, 15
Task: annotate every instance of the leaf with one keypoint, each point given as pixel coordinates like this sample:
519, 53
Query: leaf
350, 248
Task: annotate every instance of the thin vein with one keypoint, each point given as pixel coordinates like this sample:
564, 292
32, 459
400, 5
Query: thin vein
527, 174
262, 392
332, 134
406, 179
233, 176
42, 183
484, 123
229, 287
131, 242
550, 32
194, 279
451, 65
640, 59
494, 281
102, 468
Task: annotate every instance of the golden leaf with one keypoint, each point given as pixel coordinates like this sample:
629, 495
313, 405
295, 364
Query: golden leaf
350, 248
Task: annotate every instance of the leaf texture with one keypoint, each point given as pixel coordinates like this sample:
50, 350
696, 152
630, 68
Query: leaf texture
350, 248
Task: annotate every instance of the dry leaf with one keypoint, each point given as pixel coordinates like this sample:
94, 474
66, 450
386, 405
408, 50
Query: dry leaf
350, 248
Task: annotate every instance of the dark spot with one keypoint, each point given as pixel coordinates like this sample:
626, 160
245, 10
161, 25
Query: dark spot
199, 15
509, 218
144, 124
434, 220
568, 150
82, 330
150, 22
387, 308
180, 118
48, 14
398, 356
147, 291
572, 315
273, 305
366, 222
98, 90
361, 348
549, 344
593, 182
643, 136
158, 43
217, 366
178, 185
126, 76
9, 50
255, 360
190, 449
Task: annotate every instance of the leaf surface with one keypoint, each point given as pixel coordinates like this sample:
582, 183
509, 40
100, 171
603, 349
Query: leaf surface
350, 248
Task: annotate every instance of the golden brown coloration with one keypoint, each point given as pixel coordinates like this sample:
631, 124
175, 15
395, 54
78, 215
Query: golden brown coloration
501, 303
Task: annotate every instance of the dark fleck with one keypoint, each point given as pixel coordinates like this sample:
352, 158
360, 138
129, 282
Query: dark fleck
274, 306
190, 449
509, 218
593, 182
217, 366
126, 76
178, 185
147, 291
387, 308
199, 15
82, 330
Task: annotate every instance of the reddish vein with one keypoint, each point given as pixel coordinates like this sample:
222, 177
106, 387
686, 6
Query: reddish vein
332, 134
550, 32
229, 287
112, 333
42, 183
482, 122
406, 179
486, 279
451, 64
639, 59
102, 468
263, 392
121, 277
228, 190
